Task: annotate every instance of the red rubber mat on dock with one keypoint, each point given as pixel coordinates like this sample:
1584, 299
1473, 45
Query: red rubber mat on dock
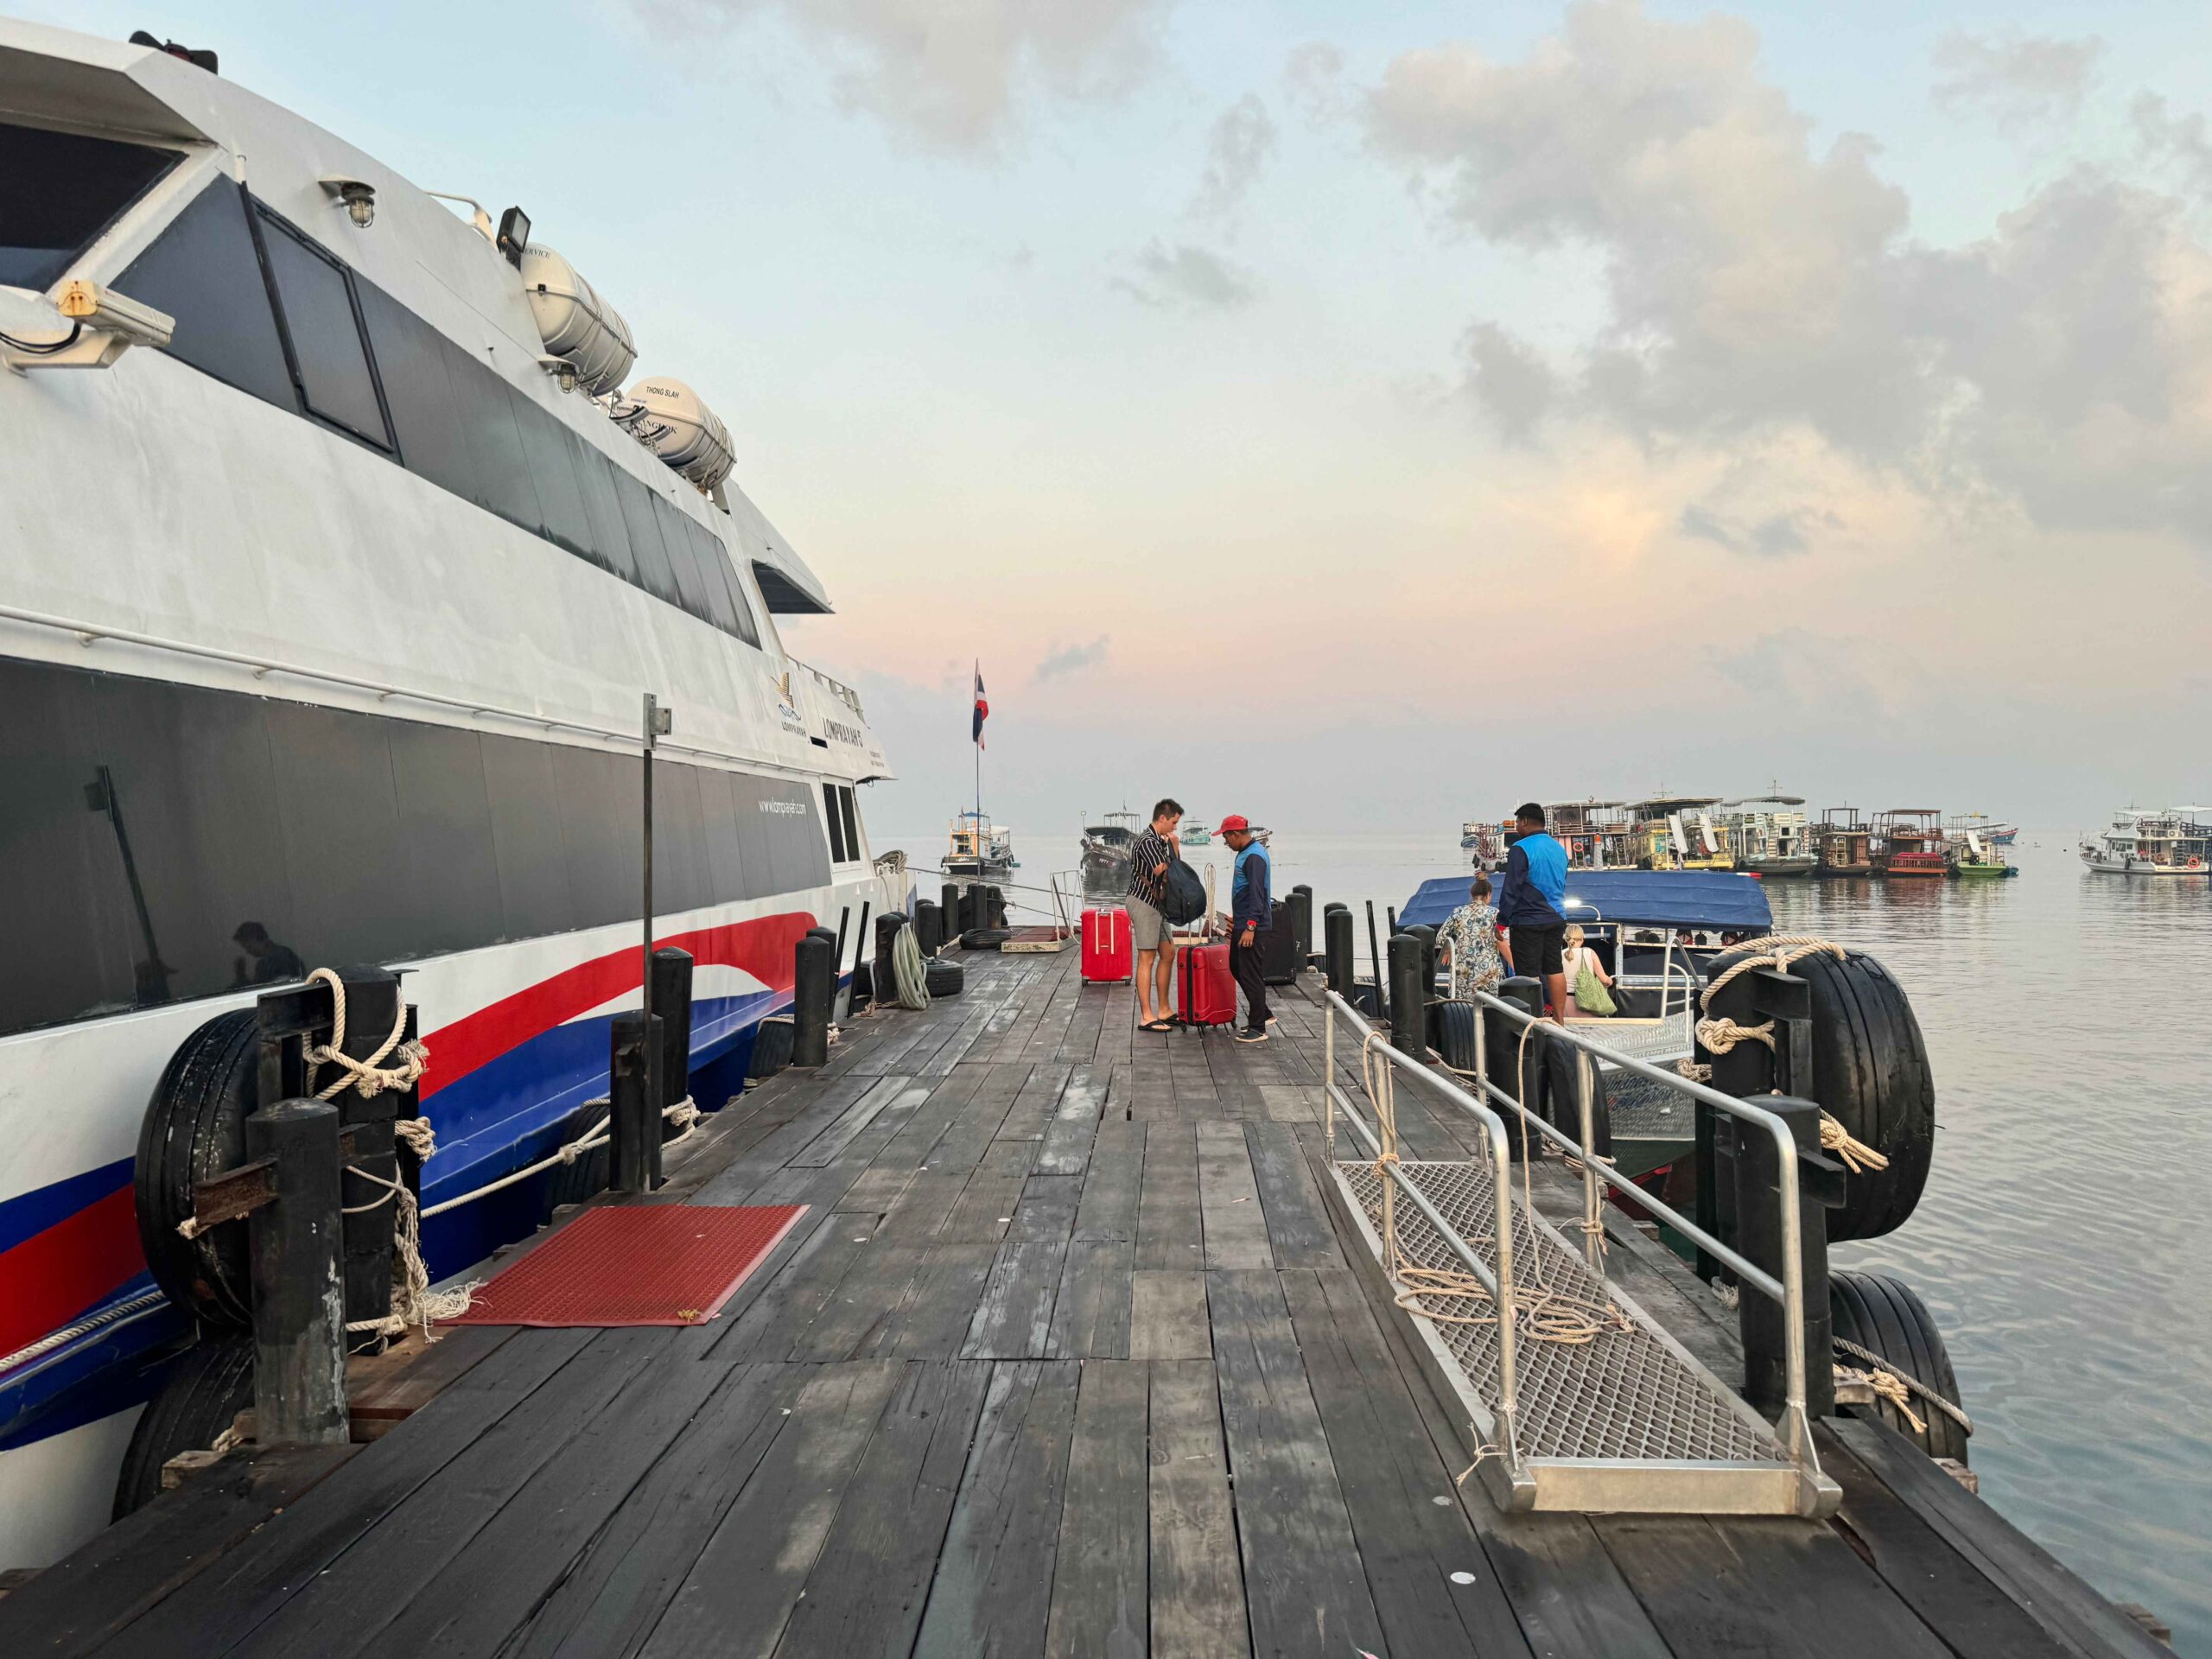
645, 1264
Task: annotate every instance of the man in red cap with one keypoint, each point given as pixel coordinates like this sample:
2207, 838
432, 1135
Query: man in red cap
1251, 910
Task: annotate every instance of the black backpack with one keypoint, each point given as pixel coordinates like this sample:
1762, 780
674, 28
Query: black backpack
1184, 899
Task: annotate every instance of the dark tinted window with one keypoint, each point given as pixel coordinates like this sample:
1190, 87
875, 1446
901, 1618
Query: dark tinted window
426, 415
145, 826
852, 824
746, 628
328, 352
553, 470
679, 534
488, 415
203, 272
836, 823
58, 192
610, 535
659, 576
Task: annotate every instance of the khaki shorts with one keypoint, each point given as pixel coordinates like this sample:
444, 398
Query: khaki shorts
1147, 927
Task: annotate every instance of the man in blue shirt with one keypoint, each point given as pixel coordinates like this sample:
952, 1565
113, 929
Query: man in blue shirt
1251, 912
1532, 905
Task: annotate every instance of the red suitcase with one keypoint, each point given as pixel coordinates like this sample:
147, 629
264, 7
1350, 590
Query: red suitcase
1205, 991
1109, 957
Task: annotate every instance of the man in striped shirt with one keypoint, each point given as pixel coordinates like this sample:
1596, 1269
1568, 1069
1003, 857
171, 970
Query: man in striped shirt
1149, 857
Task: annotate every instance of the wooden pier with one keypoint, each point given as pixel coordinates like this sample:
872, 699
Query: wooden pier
1067, 1356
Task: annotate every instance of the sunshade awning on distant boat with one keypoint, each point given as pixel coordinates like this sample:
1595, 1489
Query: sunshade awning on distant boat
1661, 898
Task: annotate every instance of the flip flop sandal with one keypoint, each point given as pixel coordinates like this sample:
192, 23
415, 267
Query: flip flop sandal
1157, 1025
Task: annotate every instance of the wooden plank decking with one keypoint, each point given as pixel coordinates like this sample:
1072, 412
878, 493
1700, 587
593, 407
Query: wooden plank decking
1066, 1357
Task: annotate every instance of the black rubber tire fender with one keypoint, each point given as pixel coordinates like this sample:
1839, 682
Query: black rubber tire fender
194, 1128
1455, 1039
1870, 1073
1880, 1313
206, 1388
1554, 1092
984, 938
772, 1048
944, 978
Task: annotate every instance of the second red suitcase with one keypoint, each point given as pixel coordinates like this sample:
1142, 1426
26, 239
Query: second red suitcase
1108, 958
1205, 991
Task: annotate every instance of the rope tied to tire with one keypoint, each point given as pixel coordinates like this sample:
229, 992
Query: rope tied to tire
1889, 1376
1722, 1035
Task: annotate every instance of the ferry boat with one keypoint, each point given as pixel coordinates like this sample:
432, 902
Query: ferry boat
1486, 841
1971, 849
2172, 840
1192, 833
1104, 864
1842, 844
344, 547
1675, 832
1770, 838
976, 847
1909, 843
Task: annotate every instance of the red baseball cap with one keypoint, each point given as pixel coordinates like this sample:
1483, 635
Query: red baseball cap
1235, 825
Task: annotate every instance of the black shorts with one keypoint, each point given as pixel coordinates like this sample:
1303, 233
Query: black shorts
1537, 950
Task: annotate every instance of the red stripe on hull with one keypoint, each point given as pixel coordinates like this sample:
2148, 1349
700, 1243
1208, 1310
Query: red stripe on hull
53, 1276
761, 948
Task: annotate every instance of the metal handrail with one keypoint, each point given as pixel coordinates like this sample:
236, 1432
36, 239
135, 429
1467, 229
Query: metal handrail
1790, 1290
1499, 1284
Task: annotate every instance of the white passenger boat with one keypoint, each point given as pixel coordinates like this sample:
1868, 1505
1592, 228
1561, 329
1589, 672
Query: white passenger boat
340, 560
2173, 841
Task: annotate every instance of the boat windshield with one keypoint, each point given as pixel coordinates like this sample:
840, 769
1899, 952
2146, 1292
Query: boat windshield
59, 191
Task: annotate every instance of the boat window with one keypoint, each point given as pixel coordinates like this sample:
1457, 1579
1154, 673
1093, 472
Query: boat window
610, 535
659, 576
741, 625
204, 271
488, 414
838, 853
427, 412
170, 841
59, 192
314, 299
852, 823
677, 534
553, 471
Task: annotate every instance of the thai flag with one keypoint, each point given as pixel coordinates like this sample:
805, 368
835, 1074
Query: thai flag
982, 709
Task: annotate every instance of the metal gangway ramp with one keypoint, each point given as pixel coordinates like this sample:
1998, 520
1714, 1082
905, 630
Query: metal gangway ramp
1574, 1397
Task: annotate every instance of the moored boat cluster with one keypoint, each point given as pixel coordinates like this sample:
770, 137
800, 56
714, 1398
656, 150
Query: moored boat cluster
1770, 836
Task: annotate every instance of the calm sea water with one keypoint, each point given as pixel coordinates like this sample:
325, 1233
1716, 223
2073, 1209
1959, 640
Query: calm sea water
2060, 1243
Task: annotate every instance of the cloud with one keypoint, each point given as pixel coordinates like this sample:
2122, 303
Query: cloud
1755, 287
1314, 79
2020, 80
951, 77
1777, 536
1509, 381
2176, 143
1063, 660
1237, 152
1187, 277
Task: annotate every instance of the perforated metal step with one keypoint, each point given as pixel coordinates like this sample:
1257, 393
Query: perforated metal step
1624, 1422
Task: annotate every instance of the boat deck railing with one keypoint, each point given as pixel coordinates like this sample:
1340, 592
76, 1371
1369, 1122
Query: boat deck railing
1620, 1417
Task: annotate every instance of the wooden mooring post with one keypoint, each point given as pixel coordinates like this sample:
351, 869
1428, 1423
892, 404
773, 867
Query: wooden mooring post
634, 1095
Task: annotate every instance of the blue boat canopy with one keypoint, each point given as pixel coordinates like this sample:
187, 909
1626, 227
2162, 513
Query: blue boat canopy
1706, 899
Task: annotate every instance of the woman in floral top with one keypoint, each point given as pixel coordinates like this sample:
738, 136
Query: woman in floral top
1469, 940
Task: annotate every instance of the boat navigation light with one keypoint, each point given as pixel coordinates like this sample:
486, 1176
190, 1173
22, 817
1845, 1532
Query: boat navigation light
359, 198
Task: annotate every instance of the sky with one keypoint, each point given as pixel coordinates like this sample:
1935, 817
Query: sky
1362, 417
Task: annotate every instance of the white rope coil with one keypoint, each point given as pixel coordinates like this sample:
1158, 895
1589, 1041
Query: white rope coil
910, 976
